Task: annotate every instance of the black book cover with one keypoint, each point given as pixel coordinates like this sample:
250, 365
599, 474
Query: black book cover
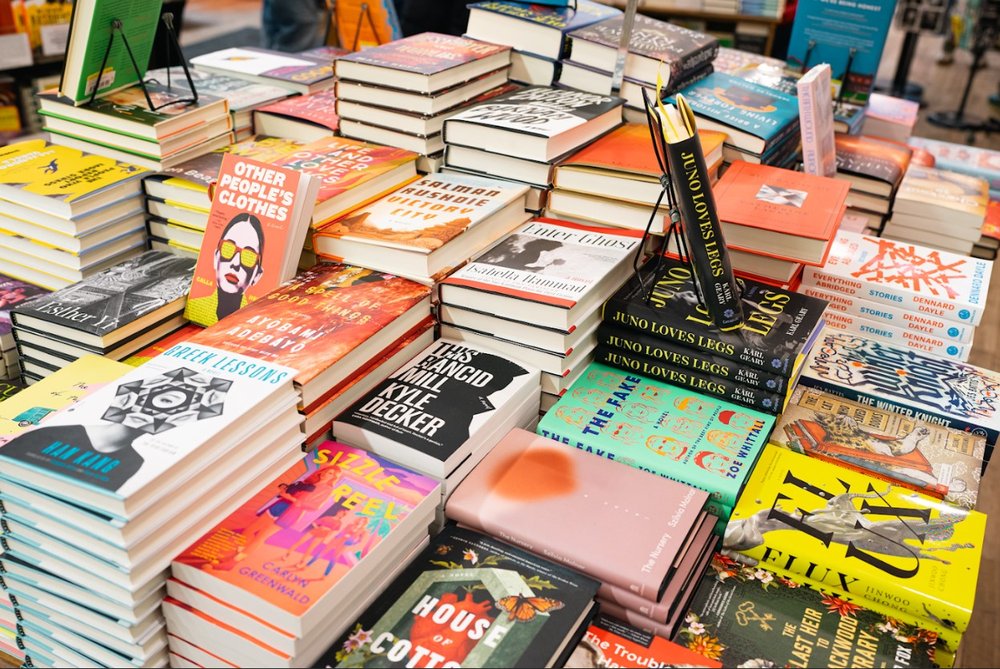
469, 600
778, 324
736, 393
677, 355
117, 296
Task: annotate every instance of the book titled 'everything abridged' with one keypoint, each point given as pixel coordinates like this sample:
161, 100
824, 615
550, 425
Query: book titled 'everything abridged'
470, 600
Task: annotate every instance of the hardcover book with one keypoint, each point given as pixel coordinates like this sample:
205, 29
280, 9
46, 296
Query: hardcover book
326, 520
256, 228
871, 540
519, 610
159, 346
917, 454
937, 283
320, 317
13, 293
973, 160
872, 165
609, 642
528, 488
778, 326
890, 117
945, 196
743, 616
319, 109
299, 72
945, 392
673, 432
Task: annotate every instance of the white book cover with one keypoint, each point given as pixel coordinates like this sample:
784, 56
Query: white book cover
819, 152
131, 432
924, 343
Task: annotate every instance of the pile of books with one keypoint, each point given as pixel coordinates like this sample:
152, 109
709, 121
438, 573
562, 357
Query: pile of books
98, 499
302, 73
989, 243
536, 296
536, 33
399, 94
521, 135
113, 313
660, 54
913, 296
889, 117
975, 161
939, 209
303, 118
65, 214
875, 169
12, 293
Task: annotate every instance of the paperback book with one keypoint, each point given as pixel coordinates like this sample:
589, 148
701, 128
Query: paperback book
301, 73
611, 642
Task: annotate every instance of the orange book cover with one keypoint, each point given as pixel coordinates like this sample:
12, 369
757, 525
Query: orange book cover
610, 642
629, 148
991, 226
250, 228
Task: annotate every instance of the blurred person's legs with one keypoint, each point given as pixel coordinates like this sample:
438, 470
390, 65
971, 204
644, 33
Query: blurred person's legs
293, 25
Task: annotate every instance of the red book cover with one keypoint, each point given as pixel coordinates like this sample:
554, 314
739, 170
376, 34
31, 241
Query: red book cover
629, 149
319, 108
426, 53
610, 642
991, 226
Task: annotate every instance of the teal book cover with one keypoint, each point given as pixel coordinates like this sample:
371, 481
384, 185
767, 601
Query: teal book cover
745, 105
704, 442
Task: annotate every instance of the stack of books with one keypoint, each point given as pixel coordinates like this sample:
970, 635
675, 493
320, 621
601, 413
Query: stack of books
647, 572
615, 180
443, 411
762, 122
875, 169
939, 209
655, 326
12, 293
399, 94
775, 221
337, 526
521, 135
889, 117
301, 73
536, 33
989, 242
766, 8
113, 313
65, 214
915, 297
303, 118
100, 497
345, 328
8, 629
660, 53
536, 296
122, 126
975, 161
705, 442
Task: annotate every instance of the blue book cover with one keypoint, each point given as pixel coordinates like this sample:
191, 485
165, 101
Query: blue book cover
553, 14
834, 27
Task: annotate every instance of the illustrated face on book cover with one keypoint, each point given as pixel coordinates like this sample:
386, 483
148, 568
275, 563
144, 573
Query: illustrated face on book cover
237, 264
105, 453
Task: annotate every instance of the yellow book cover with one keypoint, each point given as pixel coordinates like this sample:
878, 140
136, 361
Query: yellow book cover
60, 389
875, 542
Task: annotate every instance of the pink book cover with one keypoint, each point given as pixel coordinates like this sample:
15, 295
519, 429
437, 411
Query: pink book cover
319, 108
608, 520
894, 110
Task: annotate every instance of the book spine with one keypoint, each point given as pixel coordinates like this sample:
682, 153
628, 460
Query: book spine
955, 310
686, 78
808, 129
699, 59
753, 398
919, 342
816, 124
679, 356
893, 316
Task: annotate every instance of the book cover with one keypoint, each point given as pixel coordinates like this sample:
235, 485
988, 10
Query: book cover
127, 434
745, 616
528, 489
819, 151
873, 158
938, 283
656, 427
312, 321
469, 600
973, 160
115, 297
611, 642
13, 293
426, 53
310, 526
679, 48
778, 326
319, 108
434, 403
156, 348
729, 60
926, 387
991, 224
129, 105
562, 18
959, 193
282, 67
537, 110
39, 401
203, 171
916, 454
548, 261
896, 336
892, 110
257, 217
425, 214
856, 533
772, 76
239, 93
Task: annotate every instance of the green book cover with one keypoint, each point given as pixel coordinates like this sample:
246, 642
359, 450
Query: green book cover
676, 433
90, 34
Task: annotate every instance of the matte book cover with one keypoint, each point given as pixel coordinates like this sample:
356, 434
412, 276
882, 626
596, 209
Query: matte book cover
203, 171
960, 193
469, 600
319, 108
778, 325
281, 67
130, 105
659, 428
529, 489
425, 53
14, 293
975, 160
115, 297
873, 158
611, 642
917, 454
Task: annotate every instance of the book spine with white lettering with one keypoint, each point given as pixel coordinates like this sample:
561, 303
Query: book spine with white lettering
924, 343
712, 386
683, 357
884, 314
